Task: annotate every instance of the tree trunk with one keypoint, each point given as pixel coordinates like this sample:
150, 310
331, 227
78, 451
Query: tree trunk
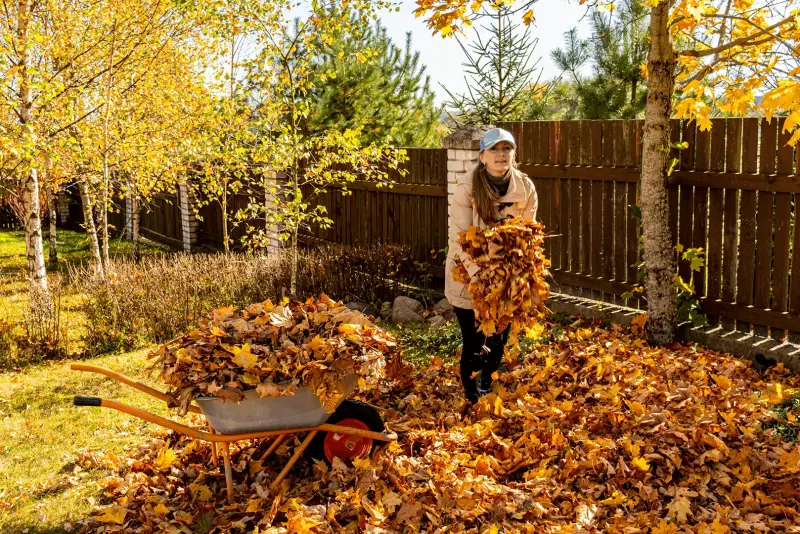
33, 234
91, 230
293, 285
52, 202
634, 83
104, 226
224, 206
135, 227
658, 246
34, 250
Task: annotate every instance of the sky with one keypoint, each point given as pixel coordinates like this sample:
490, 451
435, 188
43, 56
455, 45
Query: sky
444, 57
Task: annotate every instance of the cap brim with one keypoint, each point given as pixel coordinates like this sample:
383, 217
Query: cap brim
490, 145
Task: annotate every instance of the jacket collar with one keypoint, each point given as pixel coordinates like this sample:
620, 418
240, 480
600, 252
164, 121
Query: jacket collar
516, 190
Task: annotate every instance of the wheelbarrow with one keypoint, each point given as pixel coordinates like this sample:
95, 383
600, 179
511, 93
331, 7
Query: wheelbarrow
349, 432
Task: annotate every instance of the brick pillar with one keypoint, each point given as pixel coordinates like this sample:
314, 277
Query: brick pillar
189, 223
63, 207
274, 245
463, 147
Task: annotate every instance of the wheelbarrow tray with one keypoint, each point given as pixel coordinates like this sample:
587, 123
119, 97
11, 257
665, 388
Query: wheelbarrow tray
303, 409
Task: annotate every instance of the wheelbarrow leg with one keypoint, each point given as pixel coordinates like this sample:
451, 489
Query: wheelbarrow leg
293, 460
214, 457
272, 446
226, 456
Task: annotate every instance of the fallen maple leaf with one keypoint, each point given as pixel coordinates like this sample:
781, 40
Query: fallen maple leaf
166, 457
111, 514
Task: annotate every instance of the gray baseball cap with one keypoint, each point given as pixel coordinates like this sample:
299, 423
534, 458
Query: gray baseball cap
492, 137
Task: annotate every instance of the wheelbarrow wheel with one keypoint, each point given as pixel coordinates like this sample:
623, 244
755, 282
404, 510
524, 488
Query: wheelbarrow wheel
355, 414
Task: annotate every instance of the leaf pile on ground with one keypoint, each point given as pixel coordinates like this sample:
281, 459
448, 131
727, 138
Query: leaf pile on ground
274, 350
593, 432
508, 287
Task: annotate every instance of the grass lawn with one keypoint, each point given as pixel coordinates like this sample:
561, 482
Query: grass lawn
52, 454
73, 248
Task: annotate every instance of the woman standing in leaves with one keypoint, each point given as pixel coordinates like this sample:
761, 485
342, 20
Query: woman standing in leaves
497, 190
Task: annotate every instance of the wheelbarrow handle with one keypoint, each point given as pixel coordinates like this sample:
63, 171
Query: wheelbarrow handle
80, 400
122, 379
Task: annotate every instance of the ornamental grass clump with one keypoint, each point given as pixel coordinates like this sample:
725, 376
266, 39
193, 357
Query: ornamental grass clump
274, 350
509, 287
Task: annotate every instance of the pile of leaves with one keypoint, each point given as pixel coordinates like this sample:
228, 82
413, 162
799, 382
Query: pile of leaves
590, 432
509, 287
274, 350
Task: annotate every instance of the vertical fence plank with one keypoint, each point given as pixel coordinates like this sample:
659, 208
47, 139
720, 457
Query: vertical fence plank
607, 150
586, 205
700, 223
575, 199
747, 218
794, 284
620, 208
563, 153
783, 214
764, 221
715, 214
733, 164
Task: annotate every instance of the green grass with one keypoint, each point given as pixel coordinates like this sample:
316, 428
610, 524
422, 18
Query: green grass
42, 482
73, 248
788, 430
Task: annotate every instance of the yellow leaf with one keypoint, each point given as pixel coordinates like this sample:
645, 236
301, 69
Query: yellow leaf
201, 491
641, 464
243, 357
166, 457
665, 528
639, 320
111, 514
160, 509
528, 17
253, 505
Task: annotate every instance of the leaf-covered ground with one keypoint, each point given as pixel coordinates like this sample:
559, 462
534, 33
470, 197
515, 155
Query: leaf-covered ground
592, 432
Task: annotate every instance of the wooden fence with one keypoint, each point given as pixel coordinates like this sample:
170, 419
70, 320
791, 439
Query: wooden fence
413, 212
8, 221
734, 193
160, 220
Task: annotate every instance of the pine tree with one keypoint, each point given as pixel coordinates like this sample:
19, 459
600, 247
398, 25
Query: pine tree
499, 67
385, 93
617, 48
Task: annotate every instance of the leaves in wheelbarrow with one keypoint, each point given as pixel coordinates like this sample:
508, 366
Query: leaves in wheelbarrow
508, 286
274, 350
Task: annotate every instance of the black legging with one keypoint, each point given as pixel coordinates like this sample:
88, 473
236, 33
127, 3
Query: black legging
479, 353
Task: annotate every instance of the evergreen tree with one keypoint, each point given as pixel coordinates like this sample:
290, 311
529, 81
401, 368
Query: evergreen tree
385, 94
617, 48
499, 72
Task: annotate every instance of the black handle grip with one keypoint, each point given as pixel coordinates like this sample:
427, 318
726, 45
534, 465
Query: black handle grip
87, 401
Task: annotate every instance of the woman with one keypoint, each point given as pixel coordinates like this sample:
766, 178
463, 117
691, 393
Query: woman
496, 190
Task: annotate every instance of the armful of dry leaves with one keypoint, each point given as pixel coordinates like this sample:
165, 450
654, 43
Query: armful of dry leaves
509, 289
274, 350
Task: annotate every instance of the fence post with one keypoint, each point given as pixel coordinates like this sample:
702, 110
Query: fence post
463, 147
189, 222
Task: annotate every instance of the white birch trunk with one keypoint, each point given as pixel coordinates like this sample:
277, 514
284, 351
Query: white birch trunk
91, 230
34, 248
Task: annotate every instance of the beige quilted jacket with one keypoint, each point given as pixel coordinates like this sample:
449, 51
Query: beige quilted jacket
521, 196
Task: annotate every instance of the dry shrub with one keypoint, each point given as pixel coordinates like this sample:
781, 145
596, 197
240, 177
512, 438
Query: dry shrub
160, 297
40, 335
